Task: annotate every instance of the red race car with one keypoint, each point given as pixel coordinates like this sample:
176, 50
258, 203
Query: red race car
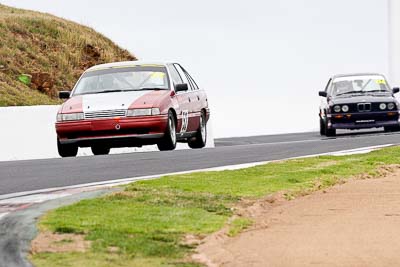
131, 104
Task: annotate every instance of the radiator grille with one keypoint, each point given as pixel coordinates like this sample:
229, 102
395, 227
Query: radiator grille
363, 107
105, 114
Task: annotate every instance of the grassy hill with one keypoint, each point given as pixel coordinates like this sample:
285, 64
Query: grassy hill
41, 54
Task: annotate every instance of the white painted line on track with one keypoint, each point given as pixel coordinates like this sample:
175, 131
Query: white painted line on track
36, 198
277, 143
338, 137
359, 150
38, 195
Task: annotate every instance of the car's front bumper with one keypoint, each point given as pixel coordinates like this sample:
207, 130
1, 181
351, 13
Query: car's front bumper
117, 132
363, 120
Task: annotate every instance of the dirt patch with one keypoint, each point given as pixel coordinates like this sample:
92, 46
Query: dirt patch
43, 82
356, 223
58, 243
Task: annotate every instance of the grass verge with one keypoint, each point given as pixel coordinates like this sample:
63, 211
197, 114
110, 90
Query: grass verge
145, 224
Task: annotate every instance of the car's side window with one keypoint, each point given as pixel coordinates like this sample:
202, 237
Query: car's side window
194, 84
183, 76
176, 78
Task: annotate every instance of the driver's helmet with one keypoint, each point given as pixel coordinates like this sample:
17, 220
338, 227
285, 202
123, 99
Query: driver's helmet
343, 87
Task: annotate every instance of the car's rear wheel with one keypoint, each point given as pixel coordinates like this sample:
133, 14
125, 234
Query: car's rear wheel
67, 150
168, 142
200, 140
100, 150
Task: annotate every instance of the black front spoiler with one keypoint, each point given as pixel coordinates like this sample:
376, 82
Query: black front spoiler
115, 141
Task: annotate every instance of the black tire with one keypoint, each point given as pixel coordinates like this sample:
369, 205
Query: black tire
330, 132
168, 142
392, 128
388, 128
200, 140
322, 128
100, 150
66, 150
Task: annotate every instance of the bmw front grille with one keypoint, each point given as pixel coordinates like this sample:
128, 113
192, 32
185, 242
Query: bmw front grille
363, 107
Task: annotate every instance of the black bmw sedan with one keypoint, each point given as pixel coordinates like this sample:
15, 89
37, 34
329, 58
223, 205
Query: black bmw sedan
358, 101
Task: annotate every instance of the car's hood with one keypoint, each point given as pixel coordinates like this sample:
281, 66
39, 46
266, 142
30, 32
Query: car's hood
363, 98
112, 101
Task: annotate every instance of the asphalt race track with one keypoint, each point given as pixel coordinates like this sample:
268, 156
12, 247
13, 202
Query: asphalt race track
18, 176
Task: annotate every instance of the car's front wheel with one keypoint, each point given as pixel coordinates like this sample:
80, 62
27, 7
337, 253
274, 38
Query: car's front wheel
392, 128
200, 140
322, 128
99, 150
330, 132
65, 150
168, 142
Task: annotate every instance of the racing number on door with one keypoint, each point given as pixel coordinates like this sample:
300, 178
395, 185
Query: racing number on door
185, 121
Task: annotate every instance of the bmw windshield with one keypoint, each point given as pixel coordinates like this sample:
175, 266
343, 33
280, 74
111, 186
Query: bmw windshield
356, 85
123, 79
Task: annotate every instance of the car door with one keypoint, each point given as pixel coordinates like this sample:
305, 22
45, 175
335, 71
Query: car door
201, 102
191, 101
183, 101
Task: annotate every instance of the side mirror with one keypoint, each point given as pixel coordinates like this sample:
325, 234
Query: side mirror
396, 90
181, 87
64, 94
323, 93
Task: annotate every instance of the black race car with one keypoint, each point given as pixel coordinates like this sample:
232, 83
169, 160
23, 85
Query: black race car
358, 101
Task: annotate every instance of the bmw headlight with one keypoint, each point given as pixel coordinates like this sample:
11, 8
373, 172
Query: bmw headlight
345, 108
382, 106
142, 112
336, 109
391, 106
70, 117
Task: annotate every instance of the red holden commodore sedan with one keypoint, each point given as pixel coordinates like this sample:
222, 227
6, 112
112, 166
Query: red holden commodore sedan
131, 104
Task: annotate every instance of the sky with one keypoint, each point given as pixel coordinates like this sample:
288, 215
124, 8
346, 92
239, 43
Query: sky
262, 62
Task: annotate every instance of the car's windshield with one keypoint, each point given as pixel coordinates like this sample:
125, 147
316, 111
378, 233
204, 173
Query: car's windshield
123, 79
359, 85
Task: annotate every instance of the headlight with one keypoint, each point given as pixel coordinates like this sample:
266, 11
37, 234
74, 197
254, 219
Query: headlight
142, 112
391, 106
70, 117
382, 106
345, 108
336, 108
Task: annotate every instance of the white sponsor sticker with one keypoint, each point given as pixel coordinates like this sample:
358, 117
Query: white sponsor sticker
185, 121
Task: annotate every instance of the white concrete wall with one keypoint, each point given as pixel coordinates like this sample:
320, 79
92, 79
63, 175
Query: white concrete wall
394, 42
28, 133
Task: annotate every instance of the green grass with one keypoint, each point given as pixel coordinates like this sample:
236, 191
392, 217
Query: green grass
148, 220
238, 225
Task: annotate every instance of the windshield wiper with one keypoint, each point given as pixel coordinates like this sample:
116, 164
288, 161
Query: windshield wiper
150, 88
351, 92
105, 91
375, 91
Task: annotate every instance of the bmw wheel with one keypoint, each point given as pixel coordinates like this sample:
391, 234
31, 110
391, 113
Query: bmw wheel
329, 132
322, 129
168, 142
